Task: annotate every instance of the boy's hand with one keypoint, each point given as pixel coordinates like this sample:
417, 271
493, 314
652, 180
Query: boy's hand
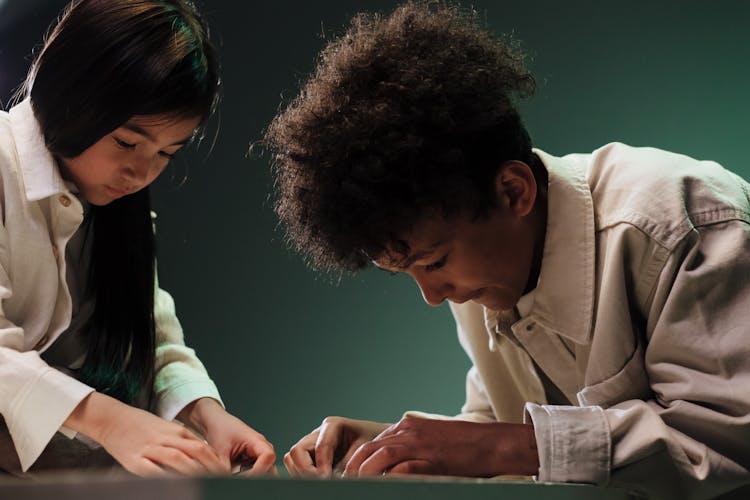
331, 444
448, 447
234, 441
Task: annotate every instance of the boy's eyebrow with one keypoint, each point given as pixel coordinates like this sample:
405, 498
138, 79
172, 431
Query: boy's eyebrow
140, 130
418, 255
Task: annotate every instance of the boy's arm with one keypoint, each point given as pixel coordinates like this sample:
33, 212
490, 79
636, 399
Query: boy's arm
690, 430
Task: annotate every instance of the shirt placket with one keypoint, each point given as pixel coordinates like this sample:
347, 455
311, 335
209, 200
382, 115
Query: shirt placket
550, 354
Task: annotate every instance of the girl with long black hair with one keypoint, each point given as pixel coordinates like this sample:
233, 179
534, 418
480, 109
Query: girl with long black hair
89, 345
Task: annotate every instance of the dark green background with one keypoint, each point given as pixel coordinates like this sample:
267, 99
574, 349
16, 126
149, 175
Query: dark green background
287, 347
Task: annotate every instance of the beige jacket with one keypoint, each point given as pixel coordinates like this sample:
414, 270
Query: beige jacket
641, 318
39, 215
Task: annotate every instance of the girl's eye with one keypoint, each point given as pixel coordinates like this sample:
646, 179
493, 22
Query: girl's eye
436, 265
123, 144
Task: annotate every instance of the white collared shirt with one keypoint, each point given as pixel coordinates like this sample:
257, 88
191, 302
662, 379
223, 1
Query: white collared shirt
39, 215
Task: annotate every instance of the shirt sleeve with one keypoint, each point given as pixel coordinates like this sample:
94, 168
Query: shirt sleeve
180, 377
696, 425
35, 399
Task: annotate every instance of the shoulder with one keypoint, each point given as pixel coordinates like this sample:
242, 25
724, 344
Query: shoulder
663, 194
7, 142
9, 162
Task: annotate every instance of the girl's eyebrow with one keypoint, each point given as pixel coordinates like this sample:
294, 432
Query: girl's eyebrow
141, 131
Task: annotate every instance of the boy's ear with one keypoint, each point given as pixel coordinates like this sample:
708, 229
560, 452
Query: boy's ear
515, 187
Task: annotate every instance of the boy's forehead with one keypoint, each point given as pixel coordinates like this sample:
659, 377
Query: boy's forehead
391, 261
418, 243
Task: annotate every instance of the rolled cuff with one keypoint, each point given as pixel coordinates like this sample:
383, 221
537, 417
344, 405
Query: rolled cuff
171, 401
51, 398
574, 443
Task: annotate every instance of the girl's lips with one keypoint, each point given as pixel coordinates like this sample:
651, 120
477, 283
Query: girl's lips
115, 192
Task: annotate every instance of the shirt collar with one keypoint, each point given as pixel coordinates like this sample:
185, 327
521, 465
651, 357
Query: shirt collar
563, 301
39, 170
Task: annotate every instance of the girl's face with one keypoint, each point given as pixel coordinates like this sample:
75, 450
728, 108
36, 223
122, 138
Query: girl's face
127, 159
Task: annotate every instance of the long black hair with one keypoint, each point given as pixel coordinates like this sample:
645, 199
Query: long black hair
104, 62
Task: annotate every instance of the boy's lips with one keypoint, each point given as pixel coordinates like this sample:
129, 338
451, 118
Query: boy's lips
473, 296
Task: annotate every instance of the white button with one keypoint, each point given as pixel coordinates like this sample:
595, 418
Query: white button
65, 200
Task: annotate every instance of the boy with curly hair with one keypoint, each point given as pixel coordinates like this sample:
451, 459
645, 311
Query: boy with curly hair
597, 295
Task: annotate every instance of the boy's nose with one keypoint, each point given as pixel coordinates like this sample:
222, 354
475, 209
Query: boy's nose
434, 293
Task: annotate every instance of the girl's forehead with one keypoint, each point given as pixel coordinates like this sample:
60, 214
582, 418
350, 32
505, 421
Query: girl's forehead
162, 120
161, 129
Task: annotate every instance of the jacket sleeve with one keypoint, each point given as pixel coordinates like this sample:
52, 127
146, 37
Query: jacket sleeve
180, 377
696, 423
35, 399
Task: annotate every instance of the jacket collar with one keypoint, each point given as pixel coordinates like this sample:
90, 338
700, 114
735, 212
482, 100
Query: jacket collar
564, 297
39, 170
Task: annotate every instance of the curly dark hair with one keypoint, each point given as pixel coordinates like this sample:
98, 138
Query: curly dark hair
405, 115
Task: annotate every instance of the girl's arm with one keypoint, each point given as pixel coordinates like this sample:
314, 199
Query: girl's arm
143, 443
232, 439
184, 390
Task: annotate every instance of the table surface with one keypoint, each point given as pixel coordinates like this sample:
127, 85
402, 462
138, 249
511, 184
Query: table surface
90, 486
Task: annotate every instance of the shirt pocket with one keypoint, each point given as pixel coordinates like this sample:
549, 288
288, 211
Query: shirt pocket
631, 382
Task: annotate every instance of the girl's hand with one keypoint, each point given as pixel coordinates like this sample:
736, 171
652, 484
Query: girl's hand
330, 445
141, 442
234, 441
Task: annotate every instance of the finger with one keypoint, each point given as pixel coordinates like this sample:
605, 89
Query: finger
411, 467
260, 447
210, 459
301, 456
147, 468
387, 432
175, 460
289, 464
263, 464
341, 465
257, 456
358, 458
383, 460
328, 440
204, 455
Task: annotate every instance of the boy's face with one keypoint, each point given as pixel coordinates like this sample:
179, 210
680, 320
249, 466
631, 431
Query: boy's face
492, 261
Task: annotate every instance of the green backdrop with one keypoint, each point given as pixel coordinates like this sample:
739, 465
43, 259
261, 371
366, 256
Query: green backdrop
287, 347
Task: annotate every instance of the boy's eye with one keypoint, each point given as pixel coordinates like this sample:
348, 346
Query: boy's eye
123, 144
436, 265
168, 156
